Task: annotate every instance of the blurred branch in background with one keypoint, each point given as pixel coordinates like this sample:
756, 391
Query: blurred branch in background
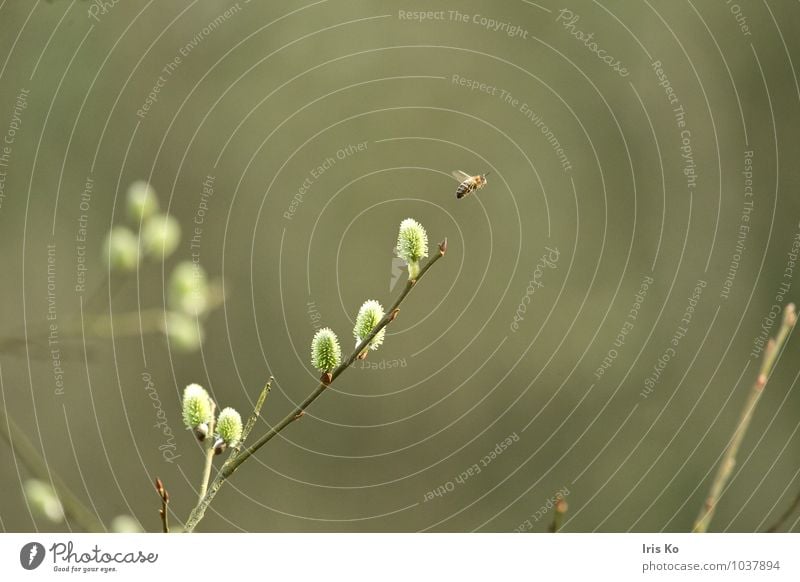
778, 525
24, 450
191, 296
184, 330
728, 463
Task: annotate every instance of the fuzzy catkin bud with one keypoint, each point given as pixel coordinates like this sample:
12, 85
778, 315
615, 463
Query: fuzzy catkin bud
412, 245
229, 426
125, 524
160, 236
43, 500
188, 289
198, 411
122, 249
142, 201
368, 317
326, 354
185, 333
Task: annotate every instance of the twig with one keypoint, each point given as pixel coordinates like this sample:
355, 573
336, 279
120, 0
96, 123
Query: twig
24, 450
236, 459
559, 511
164, 495
725, 469
786, 515
251, 422
209, 444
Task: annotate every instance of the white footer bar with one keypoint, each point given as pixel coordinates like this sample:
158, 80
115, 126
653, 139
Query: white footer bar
401, 557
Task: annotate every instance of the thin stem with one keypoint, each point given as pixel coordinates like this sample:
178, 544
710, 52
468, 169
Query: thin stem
236, 459
164, 495
24, 450
251, 422
209, 444
728, 463
786, 515
559, 511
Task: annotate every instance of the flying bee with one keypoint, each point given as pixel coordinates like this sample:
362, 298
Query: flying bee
468, 183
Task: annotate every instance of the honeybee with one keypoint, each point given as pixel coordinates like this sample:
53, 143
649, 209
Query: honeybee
468, 183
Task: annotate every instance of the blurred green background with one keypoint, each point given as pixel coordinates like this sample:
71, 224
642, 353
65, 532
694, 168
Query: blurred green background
261, 96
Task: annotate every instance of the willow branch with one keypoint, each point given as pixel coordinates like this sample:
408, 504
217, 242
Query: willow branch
728, 463
236, 459
24, 450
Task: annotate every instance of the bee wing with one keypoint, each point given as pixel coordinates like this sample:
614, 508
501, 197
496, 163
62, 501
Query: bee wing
459, 175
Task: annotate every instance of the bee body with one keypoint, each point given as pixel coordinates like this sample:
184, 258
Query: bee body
468, 184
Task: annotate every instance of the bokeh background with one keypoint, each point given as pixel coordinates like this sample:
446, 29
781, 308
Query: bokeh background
588, 171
